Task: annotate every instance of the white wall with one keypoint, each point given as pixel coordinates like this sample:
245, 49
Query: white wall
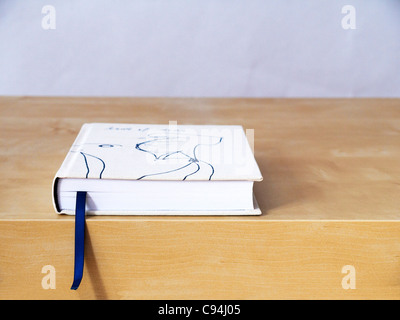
219, 48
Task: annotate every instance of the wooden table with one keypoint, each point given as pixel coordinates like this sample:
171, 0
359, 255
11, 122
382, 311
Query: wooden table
330, 198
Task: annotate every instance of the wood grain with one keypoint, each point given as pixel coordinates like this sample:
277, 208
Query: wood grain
203, 259
330, 197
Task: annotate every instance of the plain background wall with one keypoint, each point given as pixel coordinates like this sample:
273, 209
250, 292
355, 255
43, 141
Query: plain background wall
219, 48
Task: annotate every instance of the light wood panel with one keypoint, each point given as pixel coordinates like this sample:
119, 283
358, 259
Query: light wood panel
330, 197
203, 259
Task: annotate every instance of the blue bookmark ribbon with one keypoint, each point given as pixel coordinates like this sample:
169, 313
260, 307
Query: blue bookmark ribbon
79, 238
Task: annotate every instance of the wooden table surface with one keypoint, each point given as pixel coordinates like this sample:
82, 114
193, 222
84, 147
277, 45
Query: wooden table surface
331, 192
320, 159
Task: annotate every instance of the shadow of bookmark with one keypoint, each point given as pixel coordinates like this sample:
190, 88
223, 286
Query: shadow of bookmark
79, 238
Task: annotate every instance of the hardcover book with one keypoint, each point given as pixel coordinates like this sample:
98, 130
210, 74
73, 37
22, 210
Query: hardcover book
139, 169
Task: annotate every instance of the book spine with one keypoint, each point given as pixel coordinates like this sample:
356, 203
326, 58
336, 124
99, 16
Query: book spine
68, 162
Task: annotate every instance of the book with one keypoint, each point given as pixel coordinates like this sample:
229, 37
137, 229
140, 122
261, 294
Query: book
143, 169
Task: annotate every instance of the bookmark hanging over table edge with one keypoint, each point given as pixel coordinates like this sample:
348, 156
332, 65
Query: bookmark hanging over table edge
79, 238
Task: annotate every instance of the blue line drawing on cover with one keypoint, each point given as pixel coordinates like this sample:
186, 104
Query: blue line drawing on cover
85, 157
94, 165
193, 160
192, 163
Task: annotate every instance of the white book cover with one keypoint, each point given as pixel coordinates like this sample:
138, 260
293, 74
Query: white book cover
150, 152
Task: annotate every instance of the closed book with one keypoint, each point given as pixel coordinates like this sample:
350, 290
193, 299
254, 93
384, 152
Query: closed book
148, 169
